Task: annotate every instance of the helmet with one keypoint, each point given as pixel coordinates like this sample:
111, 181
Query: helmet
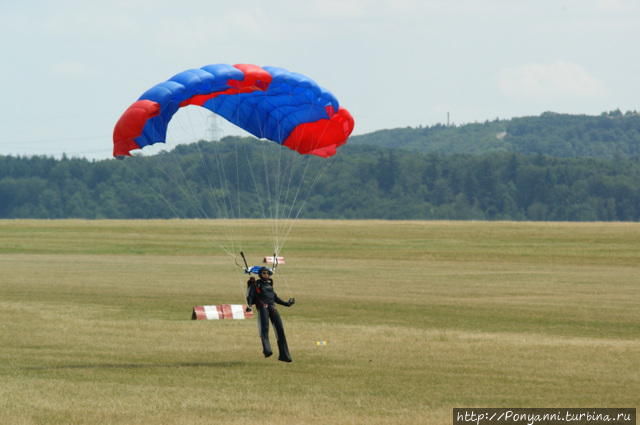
264, 269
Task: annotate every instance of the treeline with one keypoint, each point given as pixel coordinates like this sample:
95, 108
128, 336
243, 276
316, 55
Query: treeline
232, 177
610, 135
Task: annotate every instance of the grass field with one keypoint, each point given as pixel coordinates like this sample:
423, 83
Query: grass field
419, 318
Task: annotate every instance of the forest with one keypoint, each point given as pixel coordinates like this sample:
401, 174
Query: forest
551, 167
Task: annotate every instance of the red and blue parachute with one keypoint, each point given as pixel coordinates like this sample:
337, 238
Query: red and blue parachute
268, 102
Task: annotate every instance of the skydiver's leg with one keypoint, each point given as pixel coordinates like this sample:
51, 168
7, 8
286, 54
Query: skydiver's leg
263, 325
283, 348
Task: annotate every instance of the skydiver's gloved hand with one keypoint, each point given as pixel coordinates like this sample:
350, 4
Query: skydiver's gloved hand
248, 309
291, 302
251, 281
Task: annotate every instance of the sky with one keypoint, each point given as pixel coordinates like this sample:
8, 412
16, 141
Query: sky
70, 68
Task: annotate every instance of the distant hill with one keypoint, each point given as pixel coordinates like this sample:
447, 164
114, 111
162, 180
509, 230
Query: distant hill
609, 135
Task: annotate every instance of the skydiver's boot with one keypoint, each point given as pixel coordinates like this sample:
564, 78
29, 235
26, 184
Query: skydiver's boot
284, 351
266, 348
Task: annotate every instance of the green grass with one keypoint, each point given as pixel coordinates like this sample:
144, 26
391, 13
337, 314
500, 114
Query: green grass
419, 317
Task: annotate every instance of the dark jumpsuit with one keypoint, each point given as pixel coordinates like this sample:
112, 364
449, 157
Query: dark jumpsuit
261, 294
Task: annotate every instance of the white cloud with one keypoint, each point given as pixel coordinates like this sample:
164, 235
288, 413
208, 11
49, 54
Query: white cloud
549, 81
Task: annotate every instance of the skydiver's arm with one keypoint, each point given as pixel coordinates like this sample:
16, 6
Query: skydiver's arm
289, 303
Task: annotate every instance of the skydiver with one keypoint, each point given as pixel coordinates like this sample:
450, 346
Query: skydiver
260, 292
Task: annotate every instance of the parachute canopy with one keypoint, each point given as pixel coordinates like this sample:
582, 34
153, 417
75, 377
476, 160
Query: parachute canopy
268, 102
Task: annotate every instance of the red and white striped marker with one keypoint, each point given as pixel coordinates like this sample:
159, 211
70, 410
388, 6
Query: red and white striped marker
272, 260
219, 312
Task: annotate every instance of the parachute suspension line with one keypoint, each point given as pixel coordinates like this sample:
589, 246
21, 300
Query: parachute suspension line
268, 194
283, 194
270, 210
189, 191
222, 209
287, 160
264, 206
238, 204
278, 176
263, 201
197, 200
194, 200
323, 171
220, 206
291, 218
297, 204
238, 212
219, 194
293, 201
226, 193
257, 188
227, 201
188, 194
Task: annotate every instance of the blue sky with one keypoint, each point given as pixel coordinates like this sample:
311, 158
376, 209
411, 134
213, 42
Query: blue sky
70, 67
